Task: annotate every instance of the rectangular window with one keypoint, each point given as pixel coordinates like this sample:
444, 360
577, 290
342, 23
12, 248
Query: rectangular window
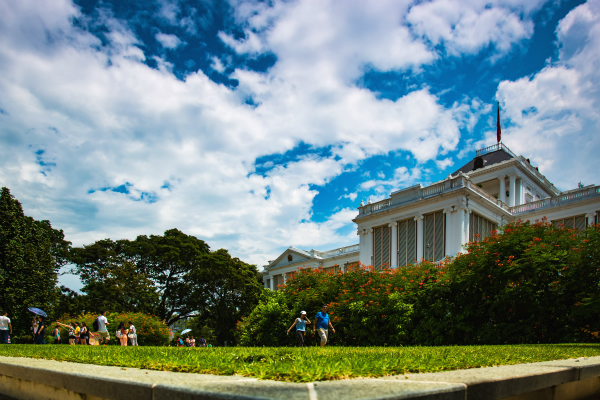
577, 222
381, 247
407, 242
480, 228
434, 232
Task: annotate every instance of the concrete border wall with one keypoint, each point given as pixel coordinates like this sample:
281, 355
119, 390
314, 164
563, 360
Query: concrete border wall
24, 378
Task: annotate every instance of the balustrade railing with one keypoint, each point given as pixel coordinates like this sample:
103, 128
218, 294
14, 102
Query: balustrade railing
580, 194
434, 189
463, 181
488, 196
340, 251
381, 205
494, 147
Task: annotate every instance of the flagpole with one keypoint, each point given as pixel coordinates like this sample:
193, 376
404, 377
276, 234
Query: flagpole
498, 130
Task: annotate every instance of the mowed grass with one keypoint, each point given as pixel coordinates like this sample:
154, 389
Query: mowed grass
304, 364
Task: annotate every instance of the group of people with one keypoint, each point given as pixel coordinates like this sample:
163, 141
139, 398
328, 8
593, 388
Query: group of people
80, 333
191, 342
321, 325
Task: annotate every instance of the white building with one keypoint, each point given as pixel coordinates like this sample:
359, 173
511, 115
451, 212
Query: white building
415, 223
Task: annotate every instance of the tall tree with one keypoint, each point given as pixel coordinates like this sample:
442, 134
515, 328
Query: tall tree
112, 281
226, 289
149, 274
31, 253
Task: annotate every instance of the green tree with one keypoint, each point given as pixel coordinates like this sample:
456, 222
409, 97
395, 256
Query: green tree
170, 261
111, 279
226, 290
31, 254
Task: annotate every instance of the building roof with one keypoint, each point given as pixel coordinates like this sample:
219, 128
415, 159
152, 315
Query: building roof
490, 158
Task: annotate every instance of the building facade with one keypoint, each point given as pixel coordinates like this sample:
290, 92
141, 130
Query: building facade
494, 188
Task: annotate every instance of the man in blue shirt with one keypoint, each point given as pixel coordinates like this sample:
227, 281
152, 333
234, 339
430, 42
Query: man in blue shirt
322, 324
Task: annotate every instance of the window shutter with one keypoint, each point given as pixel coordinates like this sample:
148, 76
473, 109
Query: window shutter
402, 228
438, 252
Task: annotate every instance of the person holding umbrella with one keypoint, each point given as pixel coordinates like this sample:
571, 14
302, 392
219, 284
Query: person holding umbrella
5, 328
41, 331
39, 328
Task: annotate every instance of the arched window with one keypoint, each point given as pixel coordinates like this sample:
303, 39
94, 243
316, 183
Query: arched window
290, 258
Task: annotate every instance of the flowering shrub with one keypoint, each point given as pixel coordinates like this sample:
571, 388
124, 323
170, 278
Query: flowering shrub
150, 330
533, 283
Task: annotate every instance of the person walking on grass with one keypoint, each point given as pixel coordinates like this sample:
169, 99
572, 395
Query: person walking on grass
122, 333
300, 324
34, 327
56, 334
132, 334
322, 324
41, 332
84, 334
72, 328
103, 335
5, 328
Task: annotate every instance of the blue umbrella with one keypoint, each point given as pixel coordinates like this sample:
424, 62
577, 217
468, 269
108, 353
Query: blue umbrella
37, 311
183, 332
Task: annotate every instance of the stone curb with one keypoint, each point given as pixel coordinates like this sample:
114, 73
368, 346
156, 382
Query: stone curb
46, 379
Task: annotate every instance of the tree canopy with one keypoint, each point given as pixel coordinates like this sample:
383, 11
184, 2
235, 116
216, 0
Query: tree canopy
174, 276
31, 254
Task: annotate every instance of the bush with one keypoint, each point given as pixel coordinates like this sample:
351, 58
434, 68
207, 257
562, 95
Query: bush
150, 330
533, 283
366, 307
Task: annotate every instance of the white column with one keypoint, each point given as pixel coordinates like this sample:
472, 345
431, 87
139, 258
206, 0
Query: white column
394, 261
512, 190
420, 254
461, 229
590, 217
449, 250
366, 247
520, 191
272, 284
502, 194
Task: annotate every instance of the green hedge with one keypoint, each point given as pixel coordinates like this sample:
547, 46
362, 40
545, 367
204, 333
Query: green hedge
533, 283
151, 331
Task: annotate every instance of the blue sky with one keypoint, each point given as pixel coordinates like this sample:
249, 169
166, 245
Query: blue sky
256, 125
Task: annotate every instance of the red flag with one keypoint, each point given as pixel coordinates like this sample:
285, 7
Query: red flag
498, 132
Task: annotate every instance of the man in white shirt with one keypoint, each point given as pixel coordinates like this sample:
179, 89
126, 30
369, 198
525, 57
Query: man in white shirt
102, 331
5, 328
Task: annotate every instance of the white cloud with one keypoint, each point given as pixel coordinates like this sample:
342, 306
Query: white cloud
468, 26
445, 163
351, 196
186, 149
168, 41
217, 64
555, 113
402, 178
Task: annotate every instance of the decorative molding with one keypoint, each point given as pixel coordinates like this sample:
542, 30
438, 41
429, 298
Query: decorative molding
393, 224
418, 217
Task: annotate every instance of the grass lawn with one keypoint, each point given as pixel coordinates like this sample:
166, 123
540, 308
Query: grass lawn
305, 364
